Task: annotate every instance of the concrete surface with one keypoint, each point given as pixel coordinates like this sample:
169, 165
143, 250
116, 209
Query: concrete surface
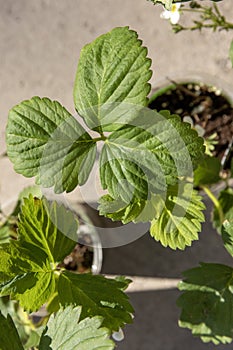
40, 42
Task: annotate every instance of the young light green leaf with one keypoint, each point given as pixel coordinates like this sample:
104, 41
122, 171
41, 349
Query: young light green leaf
98, 296
28, 265
112, 69
227, 236
226, 203
8, 229
231, 53
210, 288
46, 141
65, 331
146, 157
9, 339
207, 171
180, 218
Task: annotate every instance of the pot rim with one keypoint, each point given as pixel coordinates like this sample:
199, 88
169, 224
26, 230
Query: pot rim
192, 77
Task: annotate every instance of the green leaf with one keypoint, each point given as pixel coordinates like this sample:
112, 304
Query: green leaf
175, 216
28, 265
26, 329
207, 171
98, 296
144, 158
231, 53
34, 190
44, 140
111, 70
166, 3
210, 289
65, 331
5, 232
118, 210
227, 236
180, 217
226, 202
9, 339
8, 229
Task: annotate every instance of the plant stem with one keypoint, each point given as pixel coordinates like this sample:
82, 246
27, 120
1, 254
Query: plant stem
215, 202
210, 17
101, 138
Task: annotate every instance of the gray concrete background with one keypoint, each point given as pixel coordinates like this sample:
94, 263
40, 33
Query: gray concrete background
40, 42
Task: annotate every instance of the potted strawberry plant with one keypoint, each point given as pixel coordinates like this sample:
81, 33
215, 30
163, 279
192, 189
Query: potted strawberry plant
146, 166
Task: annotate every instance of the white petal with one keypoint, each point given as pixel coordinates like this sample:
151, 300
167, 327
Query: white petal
178, 4
174, 17
118, 336
165, 14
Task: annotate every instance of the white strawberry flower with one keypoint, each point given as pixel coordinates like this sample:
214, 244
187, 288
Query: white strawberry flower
173, 14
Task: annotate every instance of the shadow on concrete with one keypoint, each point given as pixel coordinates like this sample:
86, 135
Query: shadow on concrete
155, 325
145, 257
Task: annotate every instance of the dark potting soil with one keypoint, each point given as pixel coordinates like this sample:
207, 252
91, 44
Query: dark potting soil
207, 107
81, 258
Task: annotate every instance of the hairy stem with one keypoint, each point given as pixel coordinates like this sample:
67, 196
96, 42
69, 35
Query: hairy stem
215, 202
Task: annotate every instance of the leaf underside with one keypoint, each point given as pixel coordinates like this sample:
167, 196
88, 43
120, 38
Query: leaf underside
73, 333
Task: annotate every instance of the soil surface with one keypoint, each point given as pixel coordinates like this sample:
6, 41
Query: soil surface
207, 107
81, 258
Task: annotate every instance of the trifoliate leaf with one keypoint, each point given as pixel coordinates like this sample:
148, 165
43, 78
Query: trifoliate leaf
180, 219
9, 339
227, 236
226, 203
28, 266
207, 171
207, 302
65, 331
98, 296
146, 157
112, 70
46, 141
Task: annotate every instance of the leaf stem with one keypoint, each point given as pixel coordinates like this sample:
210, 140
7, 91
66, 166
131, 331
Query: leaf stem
101, 138
215, 202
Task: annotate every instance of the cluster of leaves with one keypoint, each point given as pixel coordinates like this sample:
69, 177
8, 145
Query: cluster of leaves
73, 333
145, 154
210, 288
30, 273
